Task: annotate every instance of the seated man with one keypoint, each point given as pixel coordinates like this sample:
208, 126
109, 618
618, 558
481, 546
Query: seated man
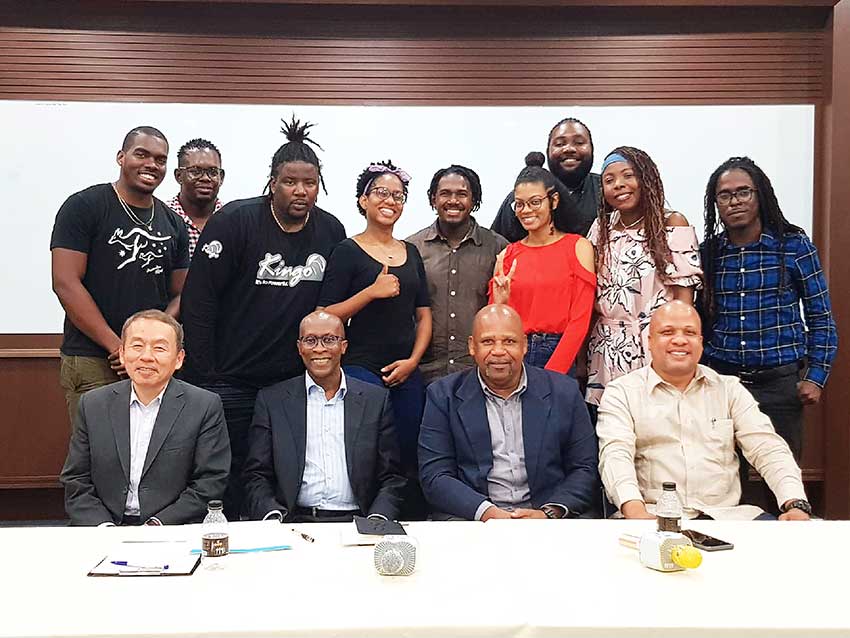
676, 420
151, 449
322, 446
505, 440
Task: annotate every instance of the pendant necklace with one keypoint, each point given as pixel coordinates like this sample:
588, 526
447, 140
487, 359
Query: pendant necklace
133, 217
277, 221
633, 224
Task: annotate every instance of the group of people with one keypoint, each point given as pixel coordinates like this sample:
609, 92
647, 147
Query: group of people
560, 346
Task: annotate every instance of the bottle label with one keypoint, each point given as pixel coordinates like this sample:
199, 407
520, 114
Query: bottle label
215, 544
669, 524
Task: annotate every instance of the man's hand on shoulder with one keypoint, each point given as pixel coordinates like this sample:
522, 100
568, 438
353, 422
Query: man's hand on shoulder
494, 512
635, 509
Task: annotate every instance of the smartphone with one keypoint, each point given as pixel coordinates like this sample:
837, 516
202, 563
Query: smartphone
705, 542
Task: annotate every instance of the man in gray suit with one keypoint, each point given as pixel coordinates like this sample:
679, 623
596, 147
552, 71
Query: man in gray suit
151, 449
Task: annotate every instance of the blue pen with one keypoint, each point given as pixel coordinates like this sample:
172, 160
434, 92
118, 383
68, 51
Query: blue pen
252, 550
124, 563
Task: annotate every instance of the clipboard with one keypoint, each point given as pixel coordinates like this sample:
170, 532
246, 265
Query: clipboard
156, 558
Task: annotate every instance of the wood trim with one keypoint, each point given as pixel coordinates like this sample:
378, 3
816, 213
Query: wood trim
29, 482
29, 353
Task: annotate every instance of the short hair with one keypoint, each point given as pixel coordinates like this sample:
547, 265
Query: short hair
535, 173
570, 120
141, 130
297, 148
155, 315
197, 144
467, 173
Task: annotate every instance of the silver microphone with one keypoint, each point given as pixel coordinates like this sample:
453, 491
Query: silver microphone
395, 556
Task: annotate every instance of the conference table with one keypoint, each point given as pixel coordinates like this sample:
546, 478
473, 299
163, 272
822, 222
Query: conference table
500, 578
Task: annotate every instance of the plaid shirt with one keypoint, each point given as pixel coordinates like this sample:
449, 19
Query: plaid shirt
194, 231
756, 325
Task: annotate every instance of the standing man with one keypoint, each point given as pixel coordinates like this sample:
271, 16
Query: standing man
459, 256
506, 440
151, 449
200, 176
757, 273
322, 446
570, 158
258, 273
115, 250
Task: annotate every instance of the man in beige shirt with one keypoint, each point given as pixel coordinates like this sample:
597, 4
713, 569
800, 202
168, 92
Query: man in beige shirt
676, 420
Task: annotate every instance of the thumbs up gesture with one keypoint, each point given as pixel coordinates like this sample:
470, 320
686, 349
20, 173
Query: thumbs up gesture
386, 285
501, 280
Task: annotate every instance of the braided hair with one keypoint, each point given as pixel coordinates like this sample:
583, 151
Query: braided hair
197, 144
651, 205
468, 174
369, 175
296, 149
570, 120
771, 218
534, 173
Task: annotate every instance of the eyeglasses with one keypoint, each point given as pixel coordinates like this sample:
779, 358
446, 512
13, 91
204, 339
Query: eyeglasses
385, 193
329, 341
196, 172
532, 204
742, 195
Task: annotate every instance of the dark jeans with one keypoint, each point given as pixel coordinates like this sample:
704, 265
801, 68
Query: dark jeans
540, 348
408, 404
238, 402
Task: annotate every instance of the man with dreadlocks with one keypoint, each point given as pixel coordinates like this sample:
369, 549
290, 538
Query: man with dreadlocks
570, 158
758, 270
459, 256
646, 256
200, 176
257, 274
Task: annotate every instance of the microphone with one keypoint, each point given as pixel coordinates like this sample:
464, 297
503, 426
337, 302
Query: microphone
395, 555
664, 551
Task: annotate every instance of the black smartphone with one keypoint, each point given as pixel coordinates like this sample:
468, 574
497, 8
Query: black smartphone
705, 542
377, 526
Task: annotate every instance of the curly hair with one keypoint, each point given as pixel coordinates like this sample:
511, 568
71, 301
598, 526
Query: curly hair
369, 175
468, 174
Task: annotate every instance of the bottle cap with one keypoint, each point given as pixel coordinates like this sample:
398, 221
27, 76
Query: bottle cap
668, 486
214, 505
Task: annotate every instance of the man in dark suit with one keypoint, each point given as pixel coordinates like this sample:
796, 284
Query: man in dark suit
322, 445
151, 449
505, 440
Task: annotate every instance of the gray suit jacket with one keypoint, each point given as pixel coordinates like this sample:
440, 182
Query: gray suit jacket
187, 462
277, 444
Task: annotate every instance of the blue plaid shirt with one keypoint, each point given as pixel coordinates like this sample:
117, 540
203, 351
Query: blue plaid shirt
756, 325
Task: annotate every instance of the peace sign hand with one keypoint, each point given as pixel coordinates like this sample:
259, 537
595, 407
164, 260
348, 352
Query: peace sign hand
502, 281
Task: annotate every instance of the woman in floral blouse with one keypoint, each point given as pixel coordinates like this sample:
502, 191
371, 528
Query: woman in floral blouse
646, 256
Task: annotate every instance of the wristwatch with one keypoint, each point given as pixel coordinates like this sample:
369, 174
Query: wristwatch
553, 511
799, 504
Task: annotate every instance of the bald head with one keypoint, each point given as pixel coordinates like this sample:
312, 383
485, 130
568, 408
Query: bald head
674, 310
675, 342
497, 315
330, 324
498, 345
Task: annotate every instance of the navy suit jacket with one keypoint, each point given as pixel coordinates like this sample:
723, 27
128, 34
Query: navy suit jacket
277, 444
456, 452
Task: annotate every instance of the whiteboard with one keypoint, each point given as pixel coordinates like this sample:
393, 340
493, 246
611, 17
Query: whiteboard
55, 149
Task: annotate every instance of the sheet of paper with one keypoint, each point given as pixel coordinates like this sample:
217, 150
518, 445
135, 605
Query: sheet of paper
164, 558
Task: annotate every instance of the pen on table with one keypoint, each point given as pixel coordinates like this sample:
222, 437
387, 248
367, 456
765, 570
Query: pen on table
306, 537
124, 563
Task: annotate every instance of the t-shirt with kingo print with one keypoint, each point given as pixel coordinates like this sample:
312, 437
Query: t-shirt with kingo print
129, 264
249, 286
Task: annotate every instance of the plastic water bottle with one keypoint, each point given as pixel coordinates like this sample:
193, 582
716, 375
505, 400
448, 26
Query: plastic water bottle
668, 509
215, 542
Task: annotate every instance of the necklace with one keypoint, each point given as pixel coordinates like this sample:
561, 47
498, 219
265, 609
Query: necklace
277, 221
633, 224
384, 250
147, 224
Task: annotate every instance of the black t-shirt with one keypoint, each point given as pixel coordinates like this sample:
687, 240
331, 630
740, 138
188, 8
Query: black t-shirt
128, 266
385, 330
248, 289
587, 204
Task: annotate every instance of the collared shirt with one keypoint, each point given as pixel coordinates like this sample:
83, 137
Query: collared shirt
142, 419
507, 482
325, 481
194, 231
650, 432
457, 284
756, 325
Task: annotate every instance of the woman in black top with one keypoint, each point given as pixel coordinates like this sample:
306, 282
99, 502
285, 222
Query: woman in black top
377, 284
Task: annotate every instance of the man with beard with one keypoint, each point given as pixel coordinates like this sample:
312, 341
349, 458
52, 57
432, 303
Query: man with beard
200, 176
258, 272
570, 158
459, 256
115, 250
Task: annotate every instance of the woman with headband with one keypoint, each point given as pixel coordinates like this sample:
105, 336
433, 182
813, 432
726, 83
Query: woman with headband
646, 256
376, 283
547, 277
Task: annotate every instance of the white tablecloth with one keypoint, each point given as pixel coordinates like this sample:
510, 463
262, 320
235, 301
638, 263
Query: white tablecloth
501, 578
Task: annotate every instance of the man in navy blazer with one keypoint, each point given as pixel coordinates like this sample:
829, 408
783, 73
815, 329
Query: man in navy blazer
506, 440
322, 446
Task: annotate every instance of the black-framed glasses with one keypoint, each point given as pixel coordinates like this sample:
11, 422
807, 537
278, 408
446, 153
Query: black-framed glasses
196, 172
385, 193
532, 204
742, 195
329, 341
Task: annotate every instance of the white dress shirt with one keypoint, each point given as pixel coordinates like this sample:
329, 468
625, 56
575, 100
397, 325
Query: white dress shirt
650, 432
325, 483
142, 419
